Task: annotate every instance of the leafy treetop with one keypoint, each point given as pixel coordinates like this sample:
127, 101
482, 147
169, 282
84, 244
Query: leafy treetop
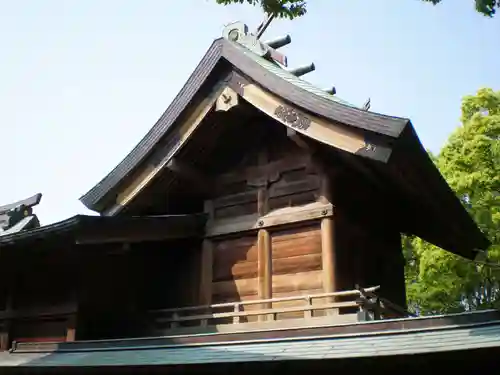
280, 8
296, 8
440, 282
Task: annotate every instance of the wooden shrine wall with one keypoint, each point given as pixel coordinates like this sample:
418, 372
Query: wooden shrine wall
368, 243
296, 265
235, 269
37, 299
272, 181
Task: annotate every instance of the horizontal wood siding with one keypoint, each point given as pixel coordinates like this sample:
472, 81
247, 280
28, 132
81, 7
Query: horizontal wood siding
293, 188
296, 265
235, 270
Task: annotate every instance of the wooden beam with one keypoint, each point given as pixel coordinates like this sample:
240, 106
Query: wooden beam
264, 269
140, 229
282, 216
327, 132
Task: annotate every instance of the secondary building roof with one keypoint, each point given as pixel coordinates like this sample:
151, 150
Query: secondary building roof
362, 340
83, 229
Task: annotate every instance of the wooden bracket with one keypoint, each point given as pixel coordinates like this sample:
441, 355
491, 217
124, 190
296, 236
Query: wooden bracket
226, 100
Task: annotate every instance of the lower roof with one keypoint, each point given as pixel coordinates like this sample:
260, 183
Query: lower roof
397, 338
83, 229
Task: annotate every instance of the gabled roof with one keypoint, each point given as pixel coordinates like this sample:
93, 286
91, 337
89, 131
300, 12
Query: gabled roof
385, 146
230, 56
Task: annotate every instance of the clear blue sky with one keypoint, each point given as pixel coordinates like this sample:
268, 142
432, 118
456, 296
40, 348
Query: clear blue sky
82, 81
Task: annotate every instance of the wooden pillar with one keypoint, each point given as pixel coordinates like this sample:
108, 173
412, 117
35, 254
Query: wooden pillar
265, 287
328, 255
6, 324
264, 245
206, 277
4, 336
207, 262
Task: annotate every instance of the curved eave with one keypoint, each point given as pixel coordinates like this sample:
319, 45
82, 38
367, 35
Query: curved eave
92, 199
459, 233
252, 67
256, 69
447, 223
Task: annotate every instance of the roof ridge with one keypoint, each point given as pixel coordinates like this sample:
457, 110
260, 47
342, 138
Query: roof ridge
237, 34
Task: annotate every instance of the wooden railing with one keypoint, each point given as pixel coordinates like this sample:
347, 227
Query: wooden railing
360, 300
65, 313
378, 307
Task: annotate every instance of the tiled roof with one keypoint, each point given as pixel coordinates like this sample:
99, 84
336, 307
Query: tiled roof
382, 343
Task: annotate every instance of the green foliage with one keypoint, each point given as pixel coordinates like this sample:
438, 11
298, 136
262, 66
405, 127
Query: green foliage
296, 8
280, 8
438, 281
486, 7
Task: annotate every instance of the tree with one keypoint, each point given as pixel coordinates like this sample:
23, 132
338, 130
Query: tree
280, 8
296, 8
486, 7
437, 281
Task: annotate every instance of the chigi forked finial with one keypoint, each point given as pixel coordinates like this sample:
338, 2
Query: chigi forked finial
261, 29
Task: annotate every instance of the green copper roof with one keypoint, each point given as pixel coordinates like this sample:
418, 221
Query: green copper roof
287, 76
382, 343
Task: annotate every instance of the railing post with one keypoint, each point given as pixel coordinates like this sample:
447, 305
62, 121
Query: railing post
237, 309
370, 307
308, 312
71, 328
377, 309
175, 322
204, 322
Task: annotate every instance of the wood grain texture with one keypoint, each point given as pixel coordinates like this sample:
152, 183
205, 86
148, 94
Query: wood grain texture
236, 271
297, 250
234, 290
304, 281
297, 265
235, 258
265, 267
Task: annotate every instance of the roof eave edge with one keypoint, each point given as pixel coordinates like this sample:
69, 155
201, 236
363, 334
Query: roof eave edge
94, 197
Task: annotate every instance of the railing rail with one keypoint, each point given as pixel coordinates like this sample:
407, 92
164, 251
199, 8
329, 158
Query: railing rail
345, 293
205, 313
